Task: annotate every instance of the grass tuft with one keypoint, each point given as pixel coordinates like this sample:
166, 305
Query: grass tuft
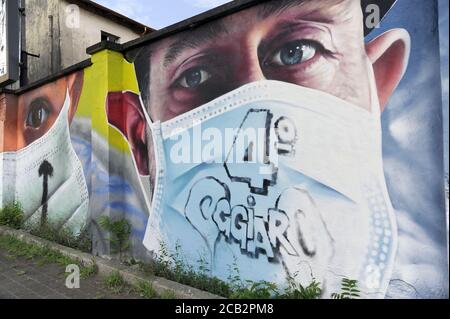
63, 237
115, 282
146, 290
168, 294
12, 216
41, 254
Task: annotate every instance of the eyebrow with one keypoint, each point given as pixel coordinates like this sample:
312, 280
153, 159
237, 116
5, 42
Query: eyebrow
277, 7
192, 40
274, 8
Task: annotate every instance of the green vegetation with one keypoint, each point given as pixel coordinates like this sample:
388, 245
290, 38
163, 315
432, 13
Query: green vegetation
12, 216
297, 291
89, 271
255, 290
173, 267
268, 290
115, 282
168, 294
62, 236
146, 290
169, 265
42, 254
120, 232
349, 290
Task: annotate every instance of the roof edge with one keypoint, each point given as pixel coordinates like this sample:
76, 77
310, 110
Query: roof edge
51, 78
97, 8
193, 22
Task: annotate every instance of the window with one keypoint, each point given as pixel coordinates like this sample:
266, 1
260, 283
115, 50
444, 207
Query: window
110, 37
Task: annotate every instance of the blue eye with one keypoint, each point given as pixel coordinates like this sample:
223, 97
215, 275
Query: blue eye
194, 77
37, 114
293, 53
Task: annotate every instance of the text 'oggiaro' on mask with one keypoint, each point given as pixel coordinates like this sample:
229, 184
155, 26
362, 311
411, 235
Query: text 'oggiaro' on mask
278, 181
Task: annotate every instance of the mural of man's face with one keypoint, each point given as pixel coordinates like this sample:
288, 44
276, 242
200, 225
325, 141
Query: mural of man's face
36, 111
316, 44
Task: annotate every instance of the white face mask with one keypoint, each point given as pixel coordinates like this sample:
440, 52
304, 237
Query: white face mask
49, 160
307, 199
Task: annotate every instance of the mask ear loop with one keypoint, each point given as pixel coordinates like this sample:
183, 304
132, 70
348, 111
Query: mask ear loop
375, 107
158, 149
144, 111
66, 105
376, 116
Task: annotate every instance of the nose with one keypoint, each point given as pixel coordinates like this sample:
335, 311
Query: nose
249, 68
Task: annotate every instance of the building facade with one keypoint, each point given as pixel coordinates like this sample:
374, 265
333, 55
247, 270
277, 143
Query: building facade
54, 34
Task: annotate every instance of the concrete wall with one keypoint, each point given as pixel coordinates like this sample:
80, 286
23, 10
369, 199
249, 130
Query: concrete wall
74, 40
59, 43
38, 38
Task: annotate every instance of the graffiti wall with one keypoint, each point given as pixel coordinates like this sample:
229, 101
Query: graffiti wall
290, 139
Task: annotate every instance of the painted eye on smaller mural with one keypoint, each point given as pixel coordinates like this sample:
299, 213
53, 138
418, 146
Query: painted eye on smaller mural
38, 113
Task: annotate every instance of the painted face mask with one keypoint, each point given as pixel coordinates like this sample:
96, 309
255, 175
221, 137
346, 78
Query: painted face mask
47, 179
278, 181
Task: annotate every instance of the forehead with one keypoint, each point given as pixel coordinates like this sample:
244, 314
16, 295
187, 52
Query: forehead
330, 12
55, 92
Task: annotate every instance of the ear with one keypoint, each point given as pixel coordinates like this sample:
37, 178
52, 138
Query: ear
124, 111
75, 86
389, 55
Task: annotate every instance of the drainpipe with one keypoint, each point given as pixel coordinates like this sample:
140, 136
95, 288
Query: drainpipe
23, 79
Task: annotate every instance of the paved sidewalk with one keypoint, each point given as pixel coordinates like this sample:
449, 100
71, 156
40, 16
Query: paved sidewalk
90, 288
30, 279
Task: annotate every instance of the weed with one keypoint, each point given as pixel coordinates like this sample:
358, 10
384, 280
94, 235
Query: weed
234, 277
99, 295
164, 259
120, 232
349, 290
12, 216
255, 290
248, 289
62, 236
203, 268
115, 282
89, 271
179, 265
21, 273
43, 254
41, 263
146, 290
296, 290
168, 294
172, 266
